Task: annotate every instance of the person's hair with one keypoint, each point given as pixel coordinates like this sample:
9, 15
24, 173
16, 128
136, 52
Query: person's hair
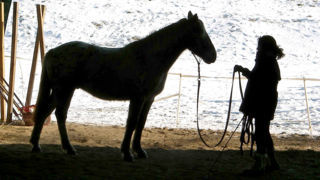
268, 45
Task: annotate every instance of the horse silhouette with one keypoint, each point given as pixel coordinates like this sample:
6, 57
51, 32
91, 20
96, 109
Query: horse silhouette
136, 72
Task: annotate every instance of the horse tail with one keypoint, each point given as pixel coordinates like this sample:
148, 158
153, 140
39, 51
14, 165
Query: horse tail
44, 100
44, 105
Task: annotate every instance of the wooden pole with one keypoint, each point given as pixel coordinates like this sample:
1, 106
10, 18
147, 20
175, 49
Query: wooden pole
2, 74
34, 63
13, 61
40, 29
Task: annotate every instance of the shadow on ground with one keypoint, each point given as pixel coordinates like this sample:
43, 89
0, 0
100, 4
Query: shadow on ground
17, 162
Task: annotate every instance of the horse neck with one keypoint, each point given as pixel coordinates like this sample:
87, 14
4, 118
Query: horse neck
166, 56
162, 48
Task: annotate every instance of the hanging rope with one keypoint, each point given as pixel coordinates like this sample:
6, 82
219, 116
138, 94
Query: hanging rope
229, 108
247, 130
247, 124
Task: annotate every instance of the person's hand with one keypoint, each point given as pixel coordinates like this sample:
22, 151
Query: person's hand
238, 68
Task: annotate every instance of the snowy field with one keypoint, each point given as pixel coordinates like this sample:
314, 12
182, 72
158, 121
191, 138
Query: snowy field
233, 27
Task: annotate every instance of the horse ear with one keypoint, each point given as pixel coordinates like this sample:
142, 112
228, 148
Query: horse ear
196, 17
190, 15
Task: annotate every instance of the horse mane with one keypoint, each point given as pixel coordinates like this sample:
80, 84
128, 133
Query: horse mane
160, 38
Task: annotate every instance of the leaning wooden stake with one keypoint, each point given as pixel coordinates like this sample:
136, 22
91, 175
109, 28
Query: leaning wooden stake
34, 60
2, 100
307, 105
13, 61
40, 29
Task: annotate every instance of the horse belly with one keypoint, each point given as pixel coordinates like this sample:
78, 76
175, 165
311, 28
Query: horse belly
111, 89
124, 88
107, 93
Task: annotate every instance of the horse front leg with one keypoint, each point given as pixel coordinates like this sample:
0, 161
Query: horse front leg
136, 145
135, 108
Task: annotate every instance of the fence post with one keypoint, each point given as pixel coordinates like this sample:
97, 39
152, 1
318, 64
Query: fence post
13, 62
2, 74
34, 63
178, 104
307, 105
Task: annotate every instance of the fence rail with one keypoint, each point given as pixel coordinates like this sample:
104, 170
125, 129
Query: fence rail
178, 94
219, 77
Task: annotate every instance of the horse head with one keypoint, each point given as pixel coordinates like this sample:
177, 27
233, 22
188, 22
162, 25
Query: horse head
200, 43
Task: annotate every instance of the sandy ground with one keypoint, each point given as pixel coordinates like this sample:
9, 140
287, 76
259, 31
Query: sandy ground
173, 154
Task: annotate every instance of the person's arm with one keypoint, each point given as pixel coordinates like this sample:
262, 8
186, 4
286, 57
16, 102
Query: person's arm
245, 71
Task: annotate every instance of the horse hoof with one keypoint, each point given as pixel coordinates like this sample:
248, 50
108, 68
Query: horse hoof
72, 152
69, 149
142, 154
127, 157
36, 149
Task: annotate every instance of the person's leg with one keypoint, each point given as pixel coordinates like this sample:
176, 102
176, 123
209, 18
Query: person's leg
260, 156
273, 165
261, 131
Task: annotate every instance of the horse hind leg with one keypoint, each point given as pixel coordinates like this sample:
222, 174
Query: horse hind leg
43, 110
63, 98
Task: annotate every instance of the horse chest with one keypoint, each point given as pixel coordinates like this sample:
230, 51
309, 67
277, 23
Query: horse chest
155, 85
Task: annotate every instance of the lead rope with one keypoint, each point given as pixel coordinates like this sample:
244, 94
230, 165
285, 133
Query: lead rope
225, 130
247, 128
229, 108
247, 125
198, 93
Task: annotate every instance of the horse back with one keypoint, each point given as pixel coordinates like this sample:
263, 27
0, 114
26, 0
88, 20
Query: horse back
107, 73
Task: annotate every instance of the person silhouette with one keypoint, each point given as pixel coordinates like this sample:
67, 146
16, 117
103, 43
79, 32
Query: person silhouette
260, 101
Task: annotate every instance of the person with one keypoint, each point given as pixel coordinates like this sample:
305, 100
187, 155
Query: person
260, 101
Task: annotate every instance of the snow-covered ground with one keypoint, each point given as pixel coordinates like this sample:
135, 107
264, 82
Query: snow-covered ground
233, 26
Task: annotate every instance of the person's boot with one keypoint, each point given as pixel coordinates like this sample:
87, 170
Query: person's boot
272, 164
259, 166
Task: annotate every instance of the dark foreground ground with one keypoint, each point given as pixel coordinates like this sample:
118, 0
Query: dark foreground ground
173, 154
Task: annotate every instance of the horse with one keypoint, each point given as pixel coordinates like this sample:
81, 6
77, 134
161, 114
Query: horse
136, 72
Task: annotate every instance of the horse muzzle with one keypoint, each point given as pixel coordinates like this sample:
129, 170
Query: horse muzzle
210, 58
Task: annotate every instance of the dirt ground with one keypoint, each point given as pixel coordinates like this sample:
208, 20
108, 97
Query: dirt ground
173, 154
